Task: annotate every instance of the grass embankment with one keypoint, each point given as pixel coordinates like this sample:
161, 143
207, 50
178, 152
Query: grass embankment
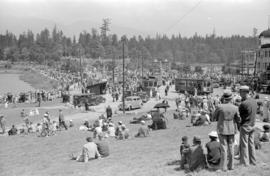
151, 156
38, 81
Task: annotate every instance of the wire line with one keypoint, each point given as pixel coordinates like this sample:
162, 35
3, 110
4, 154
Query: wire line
186, 14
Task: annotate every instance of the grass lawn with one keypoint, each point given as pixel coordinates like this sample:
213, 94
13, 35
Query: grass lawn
31, 155
38, 81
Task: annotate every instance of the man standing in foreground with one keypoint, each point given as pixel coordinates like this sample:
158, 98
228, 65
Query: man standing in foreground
247, 111
228, 117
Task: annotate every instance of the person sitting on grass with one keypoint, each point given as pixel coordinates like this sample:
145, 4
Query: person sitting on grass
89, 152
143, 130
71, 124
111, 130
118, 128
24, 129
123, 133
13, 131
213, 150
3, 123
184, 152
203, 119
265, 136
103, 146
97, 131
197, 158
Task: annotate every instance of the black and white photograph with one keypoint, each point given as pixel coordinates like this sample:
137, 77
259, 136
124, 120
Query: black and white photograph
134, 87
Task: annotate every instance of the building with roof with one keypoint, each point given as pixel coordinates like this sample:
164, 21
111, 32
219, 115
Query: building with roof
263, 56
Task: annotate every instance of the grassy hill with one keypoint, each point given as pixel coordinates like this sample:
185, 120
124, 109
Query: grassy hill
31, 155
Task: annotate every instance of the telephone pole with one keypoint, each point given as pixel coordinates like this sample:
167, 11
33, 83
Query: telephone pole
123, 94
113, 68
81, 69
142, 65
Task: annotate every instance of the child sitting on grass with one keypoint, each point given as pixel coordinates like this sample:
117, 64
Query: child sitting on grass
184, 151
266, 134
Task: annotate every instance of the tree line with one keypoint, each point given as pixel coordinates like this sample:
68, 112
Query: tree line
49, 46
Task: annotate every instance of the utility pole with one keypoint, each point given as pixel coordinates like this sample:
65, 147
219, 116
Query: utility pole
81, 68
113, 68
123, 94
142, 65
255, 65
242, 68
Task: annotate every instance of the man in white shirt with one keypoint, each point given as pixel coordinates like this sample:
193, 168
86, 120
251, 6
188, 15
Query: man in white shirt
89, 151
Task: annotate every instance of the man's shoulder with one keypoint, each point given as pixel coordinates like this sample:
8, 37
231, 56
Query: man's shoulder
228, 106
249, 102
89, 144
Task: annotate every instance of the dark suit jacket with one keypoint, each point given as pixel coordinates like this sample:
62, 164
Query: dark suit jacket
247, 110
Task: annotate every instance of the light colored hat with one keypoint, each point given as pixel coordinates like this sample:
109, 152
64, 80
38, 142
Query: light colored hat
213, 134
46, 115
120, 122
246, 88
142, 122
265, 98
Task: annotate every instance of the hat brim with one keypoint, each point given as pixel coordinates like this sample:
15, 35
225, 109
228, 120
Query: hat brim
228, 98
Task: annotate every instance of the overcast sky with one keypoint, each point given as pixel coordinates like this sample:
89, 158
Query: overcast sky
149, 16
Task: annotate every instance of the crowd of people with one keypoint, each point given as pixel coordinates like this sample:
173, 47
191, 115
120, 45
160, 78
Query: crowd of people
46, 127
235, 137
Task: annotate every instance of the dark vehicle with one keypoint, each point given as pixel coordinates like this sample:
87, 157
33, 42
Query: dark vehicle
203, 86
89, 99
144, 96
128, 93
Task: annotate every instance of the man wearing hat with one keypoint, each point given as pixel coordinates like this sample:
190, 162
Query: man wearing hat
197, 158
247, 110
213, 149
227, 118
266, 135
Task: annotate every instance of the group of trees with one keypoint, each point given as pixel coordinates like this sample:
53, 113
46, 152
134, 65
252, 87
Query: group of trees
46, 46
